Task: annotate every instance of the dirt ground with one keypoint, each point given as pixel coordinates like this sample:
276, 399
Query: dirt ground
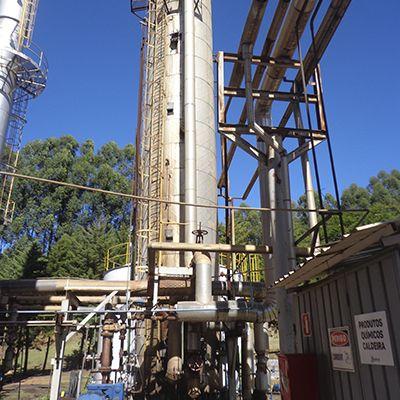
35, 387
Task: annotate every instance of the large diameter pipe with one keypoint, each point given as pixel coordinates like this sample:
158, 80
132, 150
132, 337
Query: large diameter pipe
296, 19
219, 248
225, 311
10, 16
20, 289
260, 346
190, 120
203, 275
247, 361
174, 353
307, 176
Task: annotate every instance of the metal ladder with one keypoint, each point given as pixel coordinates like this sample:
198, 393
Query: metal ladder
10, 158
17, 118
150, 174
29, 12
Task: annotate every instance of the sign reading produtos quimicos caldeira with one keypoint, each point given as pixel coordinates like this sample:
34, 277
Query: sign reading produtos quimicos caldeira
374, 339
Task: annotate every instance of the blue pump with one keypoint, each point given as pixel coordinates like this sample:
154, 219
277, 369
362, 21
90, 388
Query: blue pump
111, 391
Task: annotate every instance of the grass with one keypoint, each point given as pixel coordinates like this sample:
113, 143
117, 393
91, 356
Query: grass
35, 383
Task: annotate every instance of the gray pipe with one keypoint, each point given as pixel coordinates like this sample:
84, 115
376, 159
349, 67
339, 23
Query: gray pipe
203, 275
261, 346
231, 310
276, 179
284, 48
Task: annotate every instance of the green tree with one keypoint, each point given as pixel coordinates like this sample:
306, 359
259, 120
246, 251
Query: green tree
248, 228
48, 214
82, 253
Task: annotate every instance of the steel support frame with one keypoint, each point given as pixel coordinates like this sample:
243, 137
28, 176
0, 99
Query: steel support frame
306, 138
62, 336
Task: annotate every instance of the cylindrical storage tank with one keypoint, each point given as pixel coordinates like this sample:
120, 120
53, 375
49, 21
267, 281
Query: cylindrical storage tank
10, 15
118, 274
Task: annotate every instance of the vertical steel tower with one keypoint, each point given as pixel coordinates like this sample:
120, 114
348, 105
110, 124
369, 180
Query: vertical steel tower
23, 75
199, 331
177, 157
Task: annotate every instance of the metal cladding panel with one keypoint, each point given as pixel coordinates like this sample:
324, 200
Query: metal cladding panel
173, 139
206, 156
206, 163
359, 288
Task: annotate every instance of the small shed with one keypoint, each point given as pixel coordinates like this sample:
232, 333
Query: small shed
347, 313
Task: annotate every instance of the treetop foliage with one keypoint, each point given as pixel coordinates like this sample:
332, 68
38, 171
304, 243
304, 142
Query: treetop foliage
62, 231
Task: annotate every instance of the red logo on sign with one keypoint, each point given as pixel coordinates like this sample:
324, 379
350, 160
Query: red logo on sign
306, 324
339, 338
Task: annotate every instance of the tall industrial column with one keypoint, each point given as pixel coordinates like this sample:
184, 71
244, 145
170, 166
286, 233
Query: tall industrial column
178, 124
10, 16
23, 75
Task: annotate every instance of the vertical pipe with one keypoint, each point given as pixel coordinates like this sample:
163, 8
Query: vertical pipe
307, 174
190, 120
203, 271
260, 346
232, 347
247, 361
174, 364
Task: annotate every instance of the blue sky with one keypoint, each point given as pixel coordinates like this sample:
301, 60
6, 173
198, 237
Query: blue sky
93, 51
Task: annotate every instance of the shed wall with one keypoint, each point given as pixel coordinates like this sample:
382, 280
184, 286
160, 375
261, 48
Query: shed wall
364, 287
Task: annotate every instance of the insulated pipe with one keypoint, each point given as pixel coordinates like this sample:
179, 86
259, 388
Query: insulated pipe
247, 362
203, 276
326, 30
226, 311
10, 16
190, 120
232, 349
261, 346
277, 177
167, 287
173, 141
174, 353
307, 176
285, 47
217, 248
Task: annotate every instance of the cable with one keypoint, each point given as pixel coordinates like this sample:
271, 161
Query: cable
161, 201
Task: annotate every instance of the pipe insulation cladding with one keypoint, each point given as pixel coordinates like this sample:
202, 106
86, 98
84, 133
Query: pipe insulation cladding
206, 156
189, 143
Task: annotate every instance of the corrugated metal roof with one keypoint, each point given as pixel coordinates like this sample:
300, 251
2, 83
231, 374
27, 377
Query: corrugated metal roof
386, 233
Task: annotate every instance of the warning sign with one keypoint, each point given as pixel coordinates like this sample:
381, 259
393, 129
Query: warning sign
341, 352
374, 339
306, 324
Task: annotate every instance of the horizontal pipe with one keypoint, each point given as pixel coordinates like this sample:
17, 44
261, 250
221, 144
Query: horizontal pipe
212, 248
225, 311
18, 289
51, 299
220, 248
9, 287
297, 16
